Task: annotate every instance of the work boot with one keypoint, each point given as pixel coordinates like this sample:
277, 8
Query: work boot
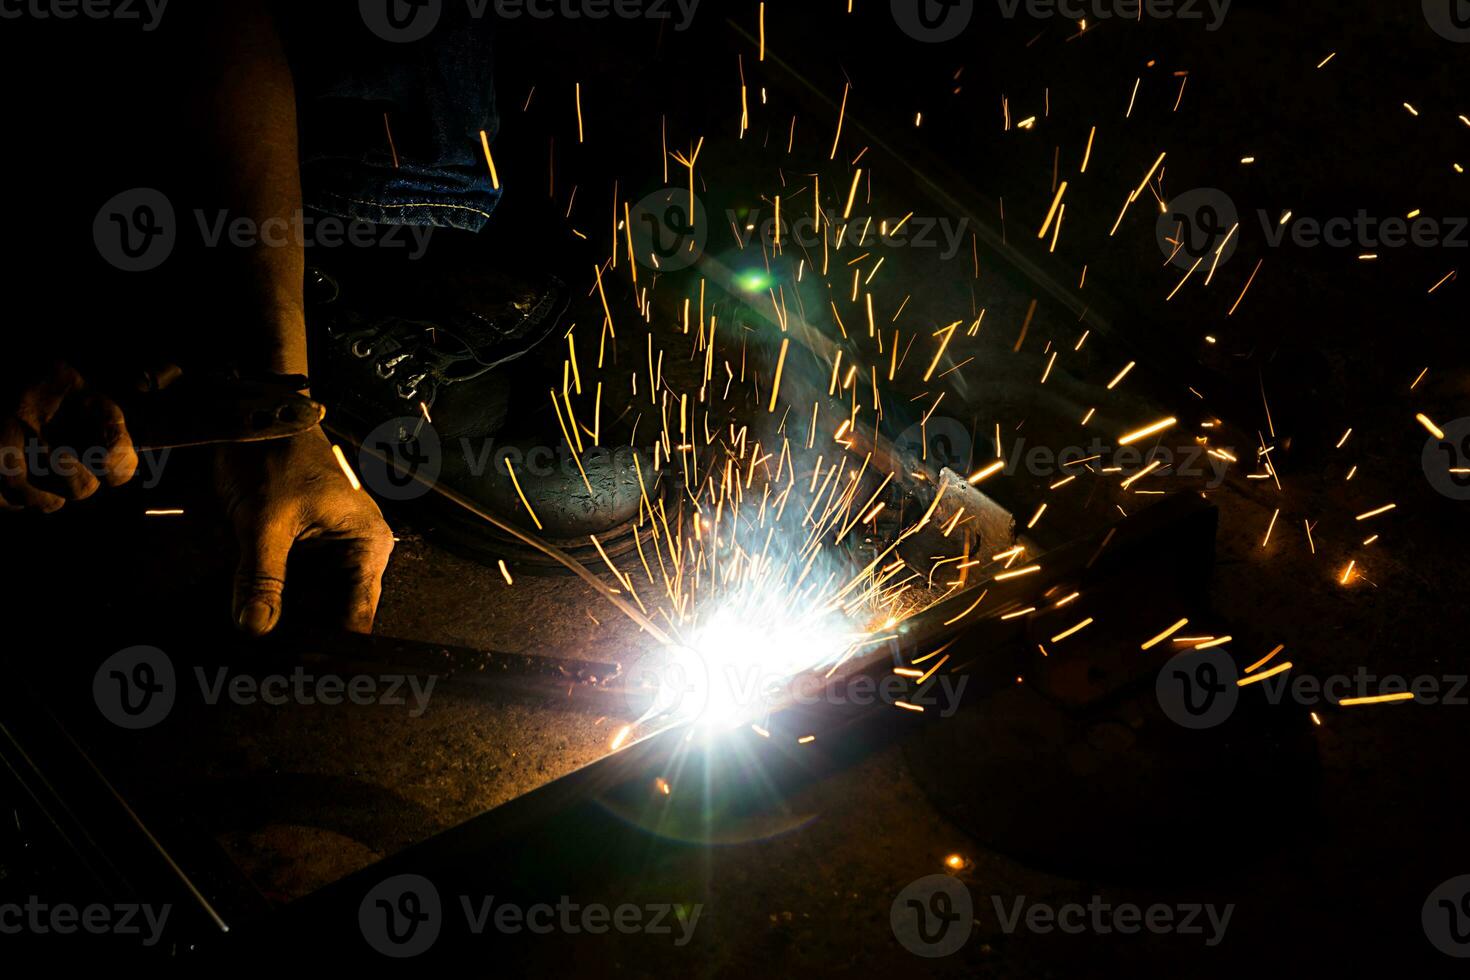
415, 362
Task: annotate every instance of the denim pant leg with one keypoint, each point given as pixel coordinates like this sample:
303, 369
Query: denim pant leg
390, 130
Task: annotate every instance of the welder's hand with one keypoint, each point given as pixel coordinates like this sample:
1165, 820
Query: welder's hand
59, 440
292, 491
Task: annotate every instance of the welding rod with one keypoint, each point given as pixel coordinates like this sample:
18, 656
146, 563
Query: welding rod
550, 551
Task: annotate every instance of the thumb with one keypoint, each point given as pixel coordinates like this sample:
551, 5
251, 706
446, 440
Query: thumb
260, 579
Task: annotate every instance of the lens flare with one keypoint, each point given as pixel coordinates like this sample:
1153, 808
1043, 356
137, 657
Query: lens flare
737, 666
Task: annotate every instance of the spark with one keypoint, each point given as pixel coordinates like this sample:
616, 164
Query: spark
1146, 431
1376, 699
852, 194
943, 346
1069, 632
392, 147
1257, 678
342, 462
1141, 474
1434, 430
986, 472
1149, 644
521, 493
489, 159
1246, 288
841, 114
1117, 379
776, 384
1052, 213
1265, 660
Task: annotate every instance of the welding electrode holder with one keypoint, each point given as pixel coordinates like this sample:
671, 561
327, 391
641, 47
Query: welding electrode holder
169, 409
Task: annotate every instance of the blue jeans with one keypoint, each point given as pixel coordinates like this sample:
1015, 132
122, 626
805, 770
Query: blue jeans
433, 96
